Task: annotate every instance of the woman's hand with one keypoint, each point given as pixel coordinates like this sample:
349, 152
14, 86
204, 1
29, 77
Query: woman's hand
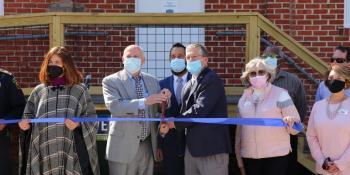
332, 168
70, 124
24, 125
289, 120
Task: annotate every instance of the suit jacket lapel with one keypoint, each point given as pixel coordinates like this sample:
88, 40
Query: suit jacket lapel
196, 83
185, 96
151, 89
149, 85
128, 85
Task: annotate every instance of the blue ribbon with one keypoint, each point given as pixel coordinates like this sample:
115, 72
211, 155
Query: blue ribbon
226, 121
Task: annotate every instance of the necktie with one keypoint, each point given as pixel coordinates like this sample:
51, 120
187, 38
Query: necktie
139, 92
178, 90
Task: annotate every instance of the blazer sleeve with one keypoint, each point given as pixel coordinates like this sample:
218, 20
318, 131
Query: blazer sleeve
16, 99
114, 102
312, 139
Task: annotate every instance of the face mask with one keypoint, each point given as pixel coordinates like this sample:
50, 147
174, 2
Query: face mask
259, 81
178, 65
194, 67
335, 86
54, 71
271, 61
132, 65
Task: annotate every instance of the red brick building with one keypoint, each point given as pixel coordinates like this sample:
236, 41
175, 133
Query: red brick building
316, 24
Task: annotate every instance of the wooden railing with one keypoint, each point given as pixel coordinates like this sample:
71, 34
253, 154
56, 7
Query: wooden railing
255, 23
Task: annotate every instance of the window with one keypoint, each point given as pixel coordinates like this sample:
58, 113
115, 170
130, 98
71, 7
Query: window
346, 13
157, 41
2, 8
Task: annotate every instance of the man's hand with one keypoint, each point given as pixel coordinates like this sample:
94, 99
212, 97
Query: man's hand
155, 98
159, 155
166, 92
165, 127
24, 125
70, 124
2, 127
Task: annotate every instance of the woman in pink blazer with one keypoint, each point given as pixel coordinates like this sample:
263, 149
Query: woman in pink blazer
328, 132
264, 149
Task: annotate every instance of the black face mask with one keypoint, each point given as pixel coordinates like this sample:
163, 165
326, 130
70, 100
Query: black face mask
178, 73
335, 86
54, 71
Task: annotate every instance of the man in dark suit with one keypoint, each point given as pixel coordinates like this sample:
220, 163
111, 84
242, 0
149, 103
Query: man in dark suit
12, 103
172, 144
207, 145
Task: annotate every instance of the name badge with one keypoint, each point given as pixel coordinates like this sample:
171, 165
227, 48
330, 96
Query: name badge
343, 112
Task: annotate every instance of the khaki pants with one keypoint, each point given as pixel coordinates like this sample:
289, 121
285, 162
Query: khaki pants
209, 165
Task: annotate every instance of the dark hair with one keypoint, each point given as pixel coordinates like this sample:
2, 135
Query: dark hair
272, 50
177, 45
344, 50
72, 75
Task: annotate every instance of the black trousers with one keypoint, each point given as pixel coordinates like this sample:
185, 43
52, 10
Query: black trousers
5, 155
293, 166
266, 166
174, 165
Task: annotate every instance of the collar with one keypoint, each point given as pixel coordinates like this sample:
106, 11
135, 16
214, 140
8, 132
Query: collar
280, 74
183, 77
130, 76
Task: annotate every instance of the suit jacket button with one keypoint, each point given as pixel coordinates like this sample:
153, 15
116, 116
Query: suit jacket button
138, 137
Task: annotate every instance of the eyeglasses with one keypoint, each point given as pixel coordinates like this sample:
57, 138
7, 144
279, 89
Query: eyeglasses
259, 72
338, 60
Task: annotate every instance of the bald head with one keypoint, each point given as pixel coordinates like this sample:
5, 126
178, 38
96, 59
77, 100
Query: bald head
134, 51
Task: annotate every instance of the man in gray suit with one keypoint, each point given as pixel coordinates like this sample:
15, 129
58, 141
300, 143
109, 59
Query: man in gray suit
131, 146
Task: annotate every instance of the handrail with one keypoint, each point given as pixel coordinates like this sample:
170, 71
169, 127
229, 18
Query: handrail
254, 22
291, 44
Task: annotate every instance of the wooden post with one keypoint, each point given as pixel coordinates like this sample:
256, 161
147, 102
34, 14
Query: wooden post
56, 32
252, 38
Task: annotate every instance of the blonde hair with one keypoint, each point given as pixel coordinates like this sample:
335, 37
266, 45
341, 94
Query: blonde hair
252, 65
343, 71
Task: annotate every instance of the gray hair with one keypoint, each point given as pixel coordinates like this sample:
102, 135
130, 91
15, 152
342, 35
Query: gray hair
254, 63
203, 50
133, 46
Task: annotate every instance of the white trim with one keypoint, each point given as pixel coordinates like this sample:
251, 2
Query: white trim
347, 13
2, 8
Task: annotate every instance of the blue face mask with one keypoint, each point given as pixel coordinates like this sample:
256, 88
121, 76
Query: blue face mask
271, 61
132, 64
194, 67
178, 65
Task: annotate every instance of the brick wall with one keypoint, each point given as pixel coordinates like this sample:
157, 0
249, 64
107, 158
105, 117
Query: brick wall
317, 24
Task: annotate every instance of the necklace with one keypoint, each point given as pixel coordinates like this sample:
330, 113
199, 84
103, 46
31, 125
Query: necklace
332, 114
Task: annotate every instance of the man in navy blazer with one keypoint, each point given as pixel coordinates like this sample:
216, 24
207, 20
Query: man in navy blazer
172, 144
207, 145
